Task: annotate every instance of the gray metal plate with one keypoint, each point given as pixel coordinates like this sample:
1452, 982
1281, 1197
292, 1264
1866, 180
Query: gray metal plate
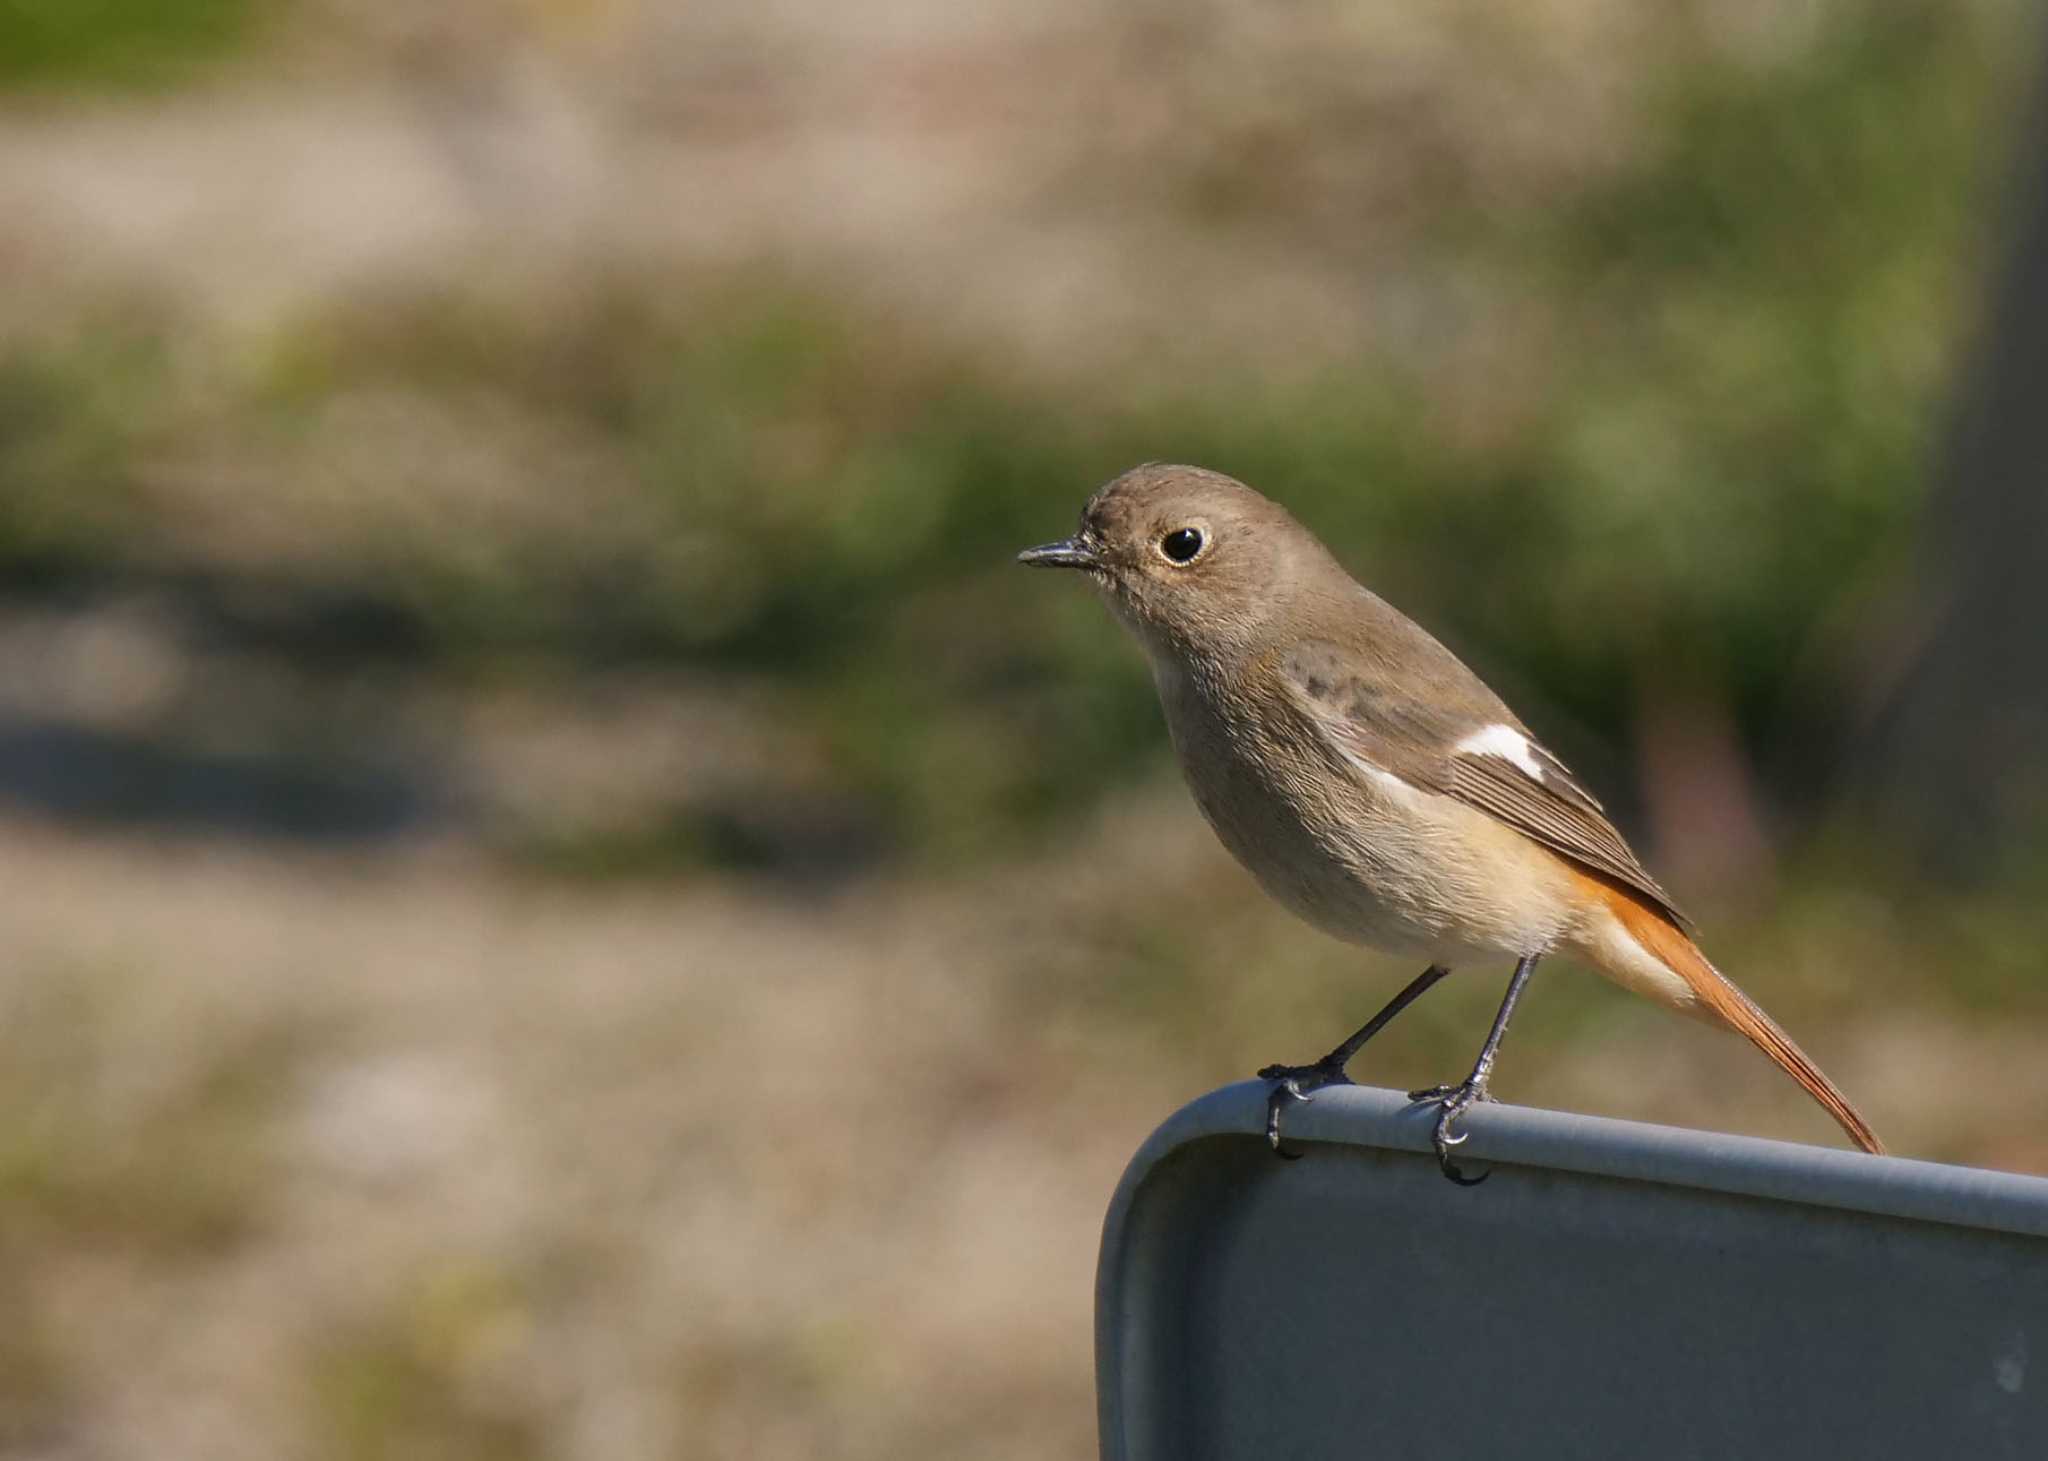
1613, 1290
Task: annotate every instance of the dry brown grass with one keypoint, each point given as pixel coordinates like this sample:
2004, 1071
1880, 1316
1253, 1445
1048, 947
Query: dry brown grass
314, 1155
309, 1154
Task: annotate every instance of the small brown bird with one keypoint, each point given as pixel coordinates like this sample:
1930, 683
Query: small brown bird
1373, 784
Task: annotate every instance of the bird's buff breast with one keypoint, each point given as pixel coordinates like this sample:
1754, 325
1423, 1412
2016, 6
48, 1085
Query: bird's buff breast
1366, 858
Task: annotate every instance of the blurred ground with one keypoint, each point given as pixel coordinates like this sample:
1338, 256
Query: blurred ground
313, 1154
562, 897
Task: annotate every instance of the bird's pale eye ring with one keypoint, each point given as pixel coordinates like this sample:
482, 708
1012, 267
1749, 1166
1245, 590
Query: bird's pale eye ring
1182, 546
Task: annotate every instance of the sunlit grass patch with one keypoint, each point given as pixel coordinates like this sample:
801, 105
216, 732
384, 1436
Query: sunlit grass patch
123, 42
425, 1378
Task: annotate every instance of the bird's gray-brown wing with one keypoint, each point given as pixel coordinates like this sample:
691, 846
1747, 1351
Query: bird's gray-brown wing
1454, 737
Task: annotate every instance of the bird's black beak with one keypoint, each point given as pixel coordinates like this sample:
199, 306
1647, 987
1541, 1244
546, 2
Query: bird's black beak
1066, 553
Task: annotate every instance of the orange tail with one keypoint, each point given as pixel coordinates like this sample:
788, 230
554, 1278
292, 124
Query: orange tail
1728, 1005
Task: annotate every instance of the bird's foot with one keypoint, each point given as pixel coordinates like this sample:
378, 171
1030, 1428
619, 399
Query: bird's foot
1453, 1102
1296, 1083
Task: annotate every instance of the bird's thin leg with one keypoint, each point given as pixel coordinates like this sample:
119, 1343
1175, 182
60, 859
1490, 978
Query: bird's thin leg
1300, 1082
1454, 1100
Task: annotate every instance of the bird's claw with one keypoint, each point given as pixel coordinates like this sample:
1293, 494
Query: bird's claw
1292, 1084
1452, 1103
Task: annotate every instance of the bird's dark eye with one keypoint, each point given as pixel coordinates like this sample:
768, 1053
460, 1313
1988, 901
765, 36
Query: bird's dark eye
1182, 544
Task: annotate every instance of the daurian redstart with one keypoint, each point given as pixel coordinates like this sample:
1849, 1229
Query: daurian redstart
1373, 784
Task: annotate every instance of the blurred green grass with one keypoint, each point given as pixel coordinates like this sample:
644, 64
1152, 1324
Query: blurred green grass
404, 1381
116, 42
1703, 438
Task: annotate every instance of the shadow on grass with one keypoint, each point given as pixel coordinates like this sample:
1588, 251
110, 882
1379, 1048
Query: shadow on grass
82, 774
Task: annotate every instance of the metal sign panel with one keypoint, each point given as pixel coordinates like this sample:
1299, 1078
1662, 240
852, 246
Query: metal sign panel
1613, 1290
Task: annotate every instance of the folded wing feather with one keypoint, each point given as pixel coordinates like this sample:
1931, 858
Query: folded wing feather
1460, 741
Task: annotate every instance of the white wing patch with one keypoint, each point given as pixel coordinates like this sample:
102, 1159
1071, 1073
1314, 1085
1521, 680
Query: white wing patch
1379, 774
1505, 742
